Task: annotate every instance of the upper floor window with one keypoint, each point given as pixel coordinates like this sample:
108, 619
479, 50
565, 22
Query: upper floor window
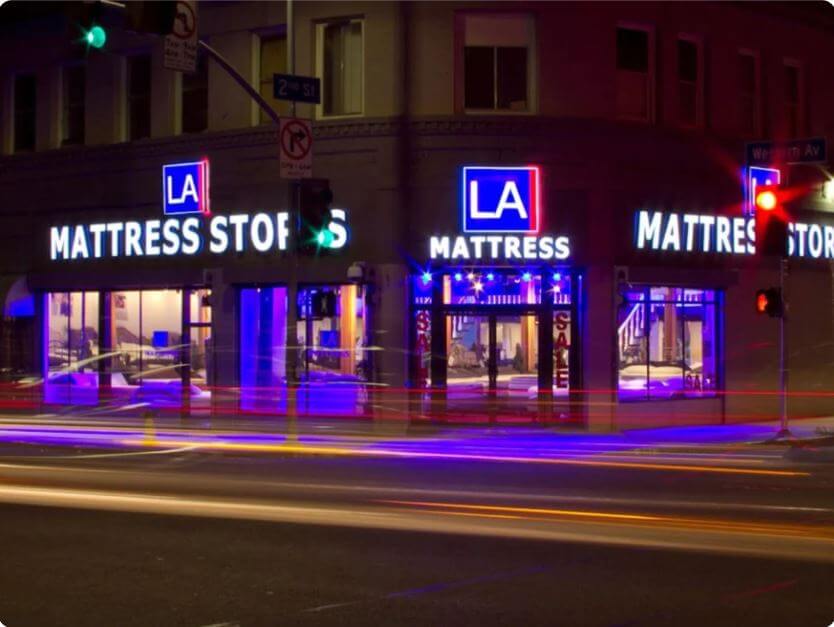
25, 106
749, 109
635, 73
793, 99
139, 97
690, 82
273, 60
72, 121
497, 62
340, 64
195, 98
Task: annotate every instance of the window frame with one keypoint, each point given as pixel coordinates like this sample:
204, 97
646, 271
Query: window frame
129, 98
758, 117
797, 65
651, 72
532, 64
278, 33
66, 106
717, 303
182, 91
700, 80
16, 112
319, 33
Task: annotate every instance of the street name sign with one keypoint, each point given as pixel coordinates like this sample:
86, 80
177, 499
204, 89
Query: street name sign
296, 88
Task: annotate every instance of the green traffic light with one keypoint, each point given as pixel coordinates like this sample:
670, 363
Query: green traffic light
324, 238
96, 37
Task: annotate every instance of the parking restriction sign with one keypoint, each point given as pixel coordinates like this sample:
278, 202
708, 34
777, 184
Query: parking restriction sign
296, 144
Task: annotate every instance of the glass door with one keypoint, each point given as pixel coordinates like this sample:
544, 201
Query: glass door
469, 372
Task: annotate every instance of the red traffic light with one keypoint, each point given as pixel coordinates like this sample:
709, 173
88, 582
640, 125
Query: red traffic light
769, 302
761, 302
767, 198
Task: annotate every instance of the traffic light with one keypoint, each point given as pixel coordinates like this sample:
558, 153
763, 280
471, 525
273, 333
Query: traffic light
314, 198
769, 301
771, 222
88, 17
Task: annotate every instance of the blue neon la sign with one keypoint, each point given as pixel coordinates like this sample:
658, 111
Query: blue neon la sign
501, 199
185, 187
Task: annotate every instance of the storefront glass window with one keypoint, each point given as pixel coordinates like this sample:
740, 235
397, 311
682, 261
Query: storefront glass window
71, 340
331, 343
334, 351
667, 343
263, 332
161, 335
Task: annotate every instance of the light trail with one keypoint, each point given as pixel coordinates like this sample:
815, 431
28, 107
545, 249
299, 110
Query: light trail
387, 453
604, 528
818, 532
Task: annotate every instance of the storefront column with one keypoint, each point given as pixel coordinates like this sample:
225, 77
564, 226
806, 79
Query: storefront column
224, 345
599, 349
390, 338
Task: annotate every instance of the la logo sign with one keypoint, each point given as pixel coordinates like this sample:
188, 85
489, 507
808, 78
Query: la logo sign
501, 199
185, 187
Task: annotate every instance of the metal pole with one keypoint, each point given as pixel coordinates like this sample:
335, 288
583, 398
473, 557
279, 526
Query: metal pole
291, 359
783, 356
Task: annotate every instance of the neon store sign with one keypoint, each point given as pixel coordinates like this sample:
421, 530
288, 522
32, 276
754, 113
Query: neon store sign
736, 235
500, 218
185, 193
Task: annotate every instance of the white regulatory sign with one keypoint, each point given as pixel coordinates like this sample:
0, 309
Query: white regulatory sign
295, 137
181, 44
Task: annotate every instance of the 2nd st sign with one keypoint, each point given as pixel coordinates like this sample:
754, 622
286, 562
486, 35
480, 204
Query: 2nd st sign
296, 88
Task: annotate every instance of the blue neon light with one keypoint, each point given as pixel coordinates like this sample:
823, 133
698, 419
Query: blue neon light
458, 276
501, 199
426, 277
185, 187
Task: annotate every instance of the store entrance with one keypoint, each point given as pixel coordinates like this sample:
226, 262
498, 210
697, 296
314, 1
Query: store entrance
502, 367
496, 346
490, 355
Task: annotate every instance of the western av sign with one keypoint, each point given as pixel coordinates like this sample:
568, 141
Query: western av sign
812, 150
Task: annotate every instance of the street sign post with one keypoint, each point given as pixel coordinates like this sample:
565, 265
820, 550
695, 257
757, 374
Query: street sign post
296, 88
812, 150
296, 146
181, 45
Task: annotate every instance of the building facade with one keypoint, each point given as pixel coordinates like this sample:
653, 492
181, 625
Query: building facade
545, 208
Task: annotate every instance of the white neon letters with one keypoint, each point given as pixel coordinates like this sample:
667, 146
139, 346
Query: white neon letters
498, 247
189, 190
736, 235
510, 200
262, 232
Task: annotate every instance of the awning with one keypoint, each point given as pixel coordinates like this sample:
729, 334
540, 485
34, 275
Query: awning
17, 300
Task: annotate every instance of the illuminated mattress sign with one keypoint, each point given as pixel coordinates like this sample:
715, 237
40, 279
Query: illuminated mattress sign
502, 205
695, 233
185, 190
262, 232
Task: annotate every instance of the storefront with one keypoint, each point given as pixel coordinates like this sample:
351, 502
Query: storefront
156, 293
503, 318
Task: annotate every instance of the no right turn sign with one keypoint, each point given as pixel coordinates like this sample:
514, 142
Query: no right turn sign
296, 145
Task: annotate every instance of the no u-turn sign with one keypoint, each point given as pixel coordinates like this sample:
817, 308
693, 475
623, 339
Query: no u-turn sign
295, 137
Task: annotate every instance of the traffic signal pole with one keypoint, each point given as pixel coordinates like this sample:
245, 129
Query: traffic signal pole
784, 431
291, 356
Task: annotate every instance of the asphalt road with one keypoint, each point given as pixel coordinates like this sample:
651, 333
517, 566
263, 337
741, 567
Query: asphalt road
186, 536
